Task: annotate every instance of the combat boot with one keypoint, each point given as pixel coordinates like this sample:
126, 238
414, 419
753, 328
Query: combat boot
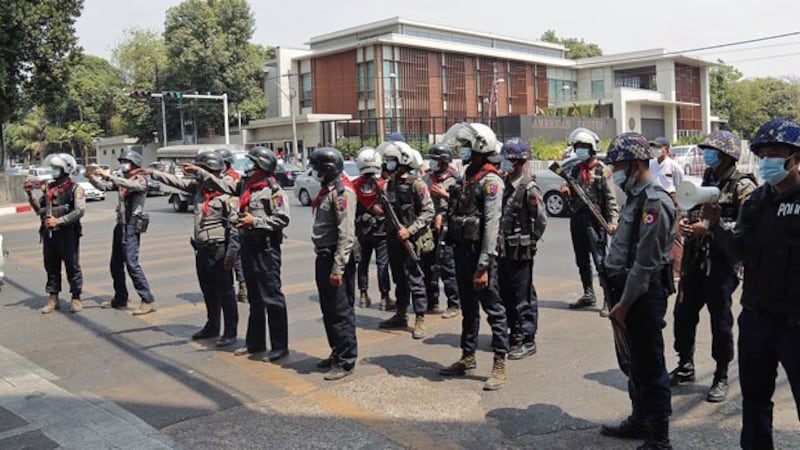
461, 367
682, 374
523, 350
75, 305
497, 379
419, 327
719, 390
364, 301
451, 312
388, 304
658, 436
632, 427
399, 320
241, 297
52, 304
586, 300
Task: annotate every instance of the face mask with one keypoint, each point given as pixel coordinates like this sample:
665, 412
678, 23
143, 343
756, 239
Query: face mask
465, 154
57, 172
125, 167
773, 170
582, 153
506, 166
317, 176
434, 165
248, 165
711, 158
620, 177
391, 165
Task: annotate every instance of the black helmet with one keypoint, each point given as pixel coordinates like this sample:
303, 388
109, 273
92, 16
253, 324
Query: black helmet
326, 160
210, 161
227, 155
440, 151
133, 157
264, 158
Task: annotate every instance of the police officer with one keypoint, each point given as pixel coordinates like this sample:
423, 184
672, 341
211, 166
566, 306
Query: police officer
473, 228
709, 276
522, 225
589, 240
231, 176
131, 223
440, 263
639, 281
60, 208
765, 238
333, 235
216, 247
263, 214
371, 226
409, 199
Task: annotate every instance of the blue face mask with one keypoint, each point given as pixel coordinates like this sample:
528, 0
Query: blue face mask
465, 154
711, 158
506, 166
390, 165
620, 177
56, 171
582, 154
434, 165
773, 170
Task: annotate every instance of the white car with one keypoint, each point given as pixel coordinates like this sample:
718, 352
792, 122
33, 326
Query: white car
92, 193
689, 158
306, 188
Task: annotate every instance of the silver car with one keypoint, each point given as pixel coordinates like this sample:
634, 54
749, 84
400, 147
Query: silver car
555, 202
306, 187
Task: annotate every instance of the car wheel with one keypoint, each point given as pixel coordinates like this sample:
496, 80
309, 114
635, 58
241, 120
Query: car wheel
687, 169
305, 199
555, 204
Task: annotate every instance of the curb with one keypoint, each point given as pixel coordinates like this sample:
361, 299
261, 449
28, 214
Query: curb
14, 209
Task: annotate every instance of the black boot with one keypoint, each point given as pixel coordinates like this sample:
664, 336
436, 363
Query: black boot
658, 437
682, 374
586, 300
633, 427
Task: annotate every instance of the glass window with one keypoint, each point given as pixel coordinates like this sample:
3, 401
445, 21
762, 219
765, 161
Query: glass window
598, 89
305, 83
371, 80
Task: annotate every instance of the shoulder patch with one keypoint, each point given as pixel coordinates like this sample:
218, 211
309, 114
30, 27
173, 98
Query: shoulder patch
342, 204
491, 190
422, 191
649, 215
277, 201
80, 195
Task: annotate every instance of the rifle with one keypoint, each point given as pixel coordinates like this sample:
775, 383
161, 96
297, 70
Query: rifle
48, 209
395, 221
581, 196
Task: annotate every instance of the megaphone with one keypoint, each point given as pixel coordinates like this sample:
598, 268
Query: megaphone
688, 195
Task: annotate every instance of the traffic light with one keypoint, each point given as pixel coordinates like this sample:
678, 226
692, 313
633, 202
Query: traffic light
140, 94
173, 94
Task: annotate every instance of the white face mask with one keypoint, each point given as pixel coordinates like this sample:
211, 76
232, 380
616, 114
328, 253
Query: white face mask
620, 177
125, 167
434, 165
391, 165
57, 172
317, 176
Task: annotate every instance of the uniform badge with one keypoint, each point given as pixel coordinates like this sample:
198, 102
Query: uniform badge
423, 191
649, 216
81, 195
342, 204
491, 191
277, 201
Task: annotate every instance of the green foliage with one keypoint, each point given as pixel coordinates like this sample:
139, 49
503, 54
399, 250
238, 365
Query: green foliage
142, 57
38, 47
721, 79
546, 151
689, 140
350, 146
35, 136
755, 101
576, 48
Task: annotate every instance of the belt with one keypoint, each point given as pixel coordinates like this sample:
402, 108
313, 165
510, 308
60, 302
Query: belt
326, 252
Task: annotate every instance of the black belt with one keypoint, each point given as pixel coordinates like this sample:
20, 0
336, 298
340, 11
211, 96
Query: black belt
325, 252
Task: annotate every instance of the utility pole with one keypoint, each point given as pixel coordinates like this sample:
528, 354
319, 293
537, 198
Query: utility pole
291, 95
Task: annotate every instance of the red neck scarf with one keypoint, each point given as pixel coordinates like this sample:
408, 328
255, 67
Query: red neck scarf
368, 199
254, 184
51, 192
208, 195
586, 171
233, 174
327, 188
486, 168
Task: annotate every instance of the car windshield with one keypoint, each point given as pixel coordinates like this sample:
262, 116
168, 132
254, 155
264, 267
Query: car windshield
679, 151
44, 171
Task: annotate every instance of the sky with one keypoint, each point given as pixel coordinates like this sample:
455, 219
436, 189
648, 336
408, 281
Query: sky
616, 26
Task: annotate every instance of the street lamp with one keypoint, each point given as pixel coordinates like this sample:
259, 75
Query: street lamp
494, 104
396, 99
290, 96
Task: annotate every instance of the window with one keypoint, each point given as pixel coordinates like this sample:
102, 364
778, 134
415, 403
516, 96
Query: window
561, 90
598, 85
105, 152
366, 80
305, 90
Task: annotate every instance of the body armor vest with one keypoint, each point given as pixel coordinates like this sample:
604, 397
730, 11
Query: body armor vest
368, 225
516, 228
60, 200
403, 200
465, 224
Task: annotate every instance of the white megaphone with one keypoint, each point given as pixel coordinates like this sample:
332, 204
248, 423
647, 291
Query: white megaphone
688, 195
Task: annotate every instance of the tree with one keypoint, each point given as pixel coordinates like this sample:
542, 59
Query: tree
576, 48
39, 46
721, 80
208, 48
92, 94
753, 102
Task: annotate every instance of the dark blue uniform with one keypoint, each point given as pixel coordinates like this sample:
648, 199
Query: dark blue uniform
441, 264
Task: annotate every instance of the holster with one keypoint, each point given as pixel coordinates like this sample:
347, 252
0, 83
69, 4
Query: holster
140, 222
463, 229
424, 242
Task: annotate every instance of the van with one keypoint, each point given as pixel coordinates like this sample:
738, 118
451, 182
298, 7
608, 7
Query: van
170, 158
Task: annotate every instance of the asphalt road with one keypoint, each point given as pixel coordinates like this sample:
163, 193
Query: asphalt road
106, 379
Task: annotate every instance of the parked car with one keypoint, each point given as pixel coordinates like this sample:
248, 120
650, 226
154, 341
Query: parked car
306, 187
39, 174
286, 174
154, 187
555, 202
91, 192
689, 158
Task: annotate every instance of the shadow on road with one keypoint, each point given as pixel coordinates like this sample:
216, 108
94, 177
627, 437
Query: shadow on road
612, 378
537, 419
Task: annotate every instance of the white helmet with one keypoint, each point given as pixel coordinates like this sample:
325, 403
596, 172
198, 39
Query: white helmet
64, 161
401, 152
416, 158
476, 136
389, 150
584, 136
369, 161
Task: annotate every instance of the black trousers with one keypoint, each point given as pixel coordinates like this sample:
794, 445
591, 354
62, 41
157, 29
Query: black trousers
446, 272
716, 292
63, 245
338, 311
472, 300
217, 286
589, 245
262, 273
379, 246
408, 279
515, 280
125, 255
761, 347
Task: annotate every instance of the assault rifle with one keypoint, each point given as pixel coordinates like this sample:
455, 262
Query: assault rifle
581, 196
395, 221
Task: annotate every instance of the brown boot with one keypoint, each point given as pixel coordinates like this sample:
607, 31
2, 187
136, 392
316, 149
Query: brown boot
241, 297
52, 304
75, 305
419, 327
497, 380
461, 367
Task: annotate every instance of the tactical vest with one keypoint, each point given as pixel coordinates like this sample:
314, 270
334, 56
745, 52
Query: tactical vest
465, 224
368, 225
260, 236
431, 179
516, 230
772, 256
61, 200
403, 200
594, 190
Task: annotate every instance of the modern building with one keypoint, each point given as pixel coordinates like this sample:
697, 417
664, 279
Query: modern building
418, 78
